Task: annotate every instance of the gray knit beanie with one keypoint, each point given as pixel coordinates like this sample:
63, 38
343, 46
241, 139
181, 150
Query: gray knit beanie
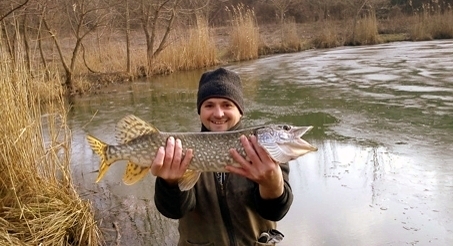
221, 83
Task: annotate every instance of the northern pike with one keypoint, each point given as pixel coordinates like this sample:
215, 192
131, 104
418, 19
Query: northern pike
138, 142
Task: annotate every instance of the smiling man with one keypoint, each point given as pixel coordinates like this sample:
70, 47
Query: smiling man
237, 207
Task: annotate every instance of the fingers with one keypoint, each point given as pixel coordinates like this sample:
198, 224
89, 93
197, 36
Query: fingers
239, 159
247, 168
250, 148
258, 165
177, 155
187, 158
170, 150
238, 170
249, 152
170, 162
158, 161
260, 151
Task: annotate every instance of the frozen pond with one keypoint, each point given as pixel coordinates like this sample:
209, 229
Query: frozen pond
383, 118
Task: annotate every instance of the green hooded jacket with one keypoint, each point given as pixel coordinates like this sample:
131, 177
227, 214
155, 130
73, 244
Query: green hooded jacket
228, 213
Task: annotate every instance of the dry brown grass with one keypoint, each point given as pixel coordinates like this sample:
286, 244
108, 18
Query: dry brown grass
103, 54
244, 36
365, 31
194, 49
400, 24
290, 40
38, 203
327, 36
432, 24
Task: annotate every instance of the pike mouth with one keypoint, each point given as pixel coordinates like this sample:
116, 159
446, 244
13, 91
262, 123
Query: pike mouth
299, 131
304, 145
300, 146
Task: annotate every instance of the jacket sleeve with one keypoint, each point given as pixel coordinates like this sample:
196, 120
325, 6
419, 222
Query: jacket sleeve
171, 202
275, 209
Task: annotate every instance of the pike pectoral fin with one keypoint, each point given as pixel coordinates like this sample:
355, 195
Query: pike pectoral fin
188, 180
134, 173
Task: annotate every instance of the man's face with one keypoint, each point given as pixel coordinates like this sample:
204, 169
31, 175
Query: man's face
219, 114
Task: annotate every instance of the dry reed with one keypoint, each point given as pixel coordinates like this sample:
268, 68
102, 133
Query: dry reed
194, 49
365, 31
38, 203
290, 40
244, 36
327, 36
433, 23
421, 30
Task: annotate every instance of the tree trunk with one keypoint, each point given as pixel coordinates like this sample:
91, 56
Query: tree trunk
68, 72
128, 42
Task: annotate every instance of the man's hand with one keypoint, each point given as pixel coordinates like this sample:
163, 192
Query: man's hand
170, 163
260, 168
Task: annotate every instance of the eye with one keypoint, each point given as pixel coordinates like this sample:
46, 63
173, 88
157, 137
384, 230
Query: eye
228, 105
286, 127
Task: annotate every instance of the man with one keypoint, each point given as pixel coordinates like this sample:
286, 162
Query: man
235, 208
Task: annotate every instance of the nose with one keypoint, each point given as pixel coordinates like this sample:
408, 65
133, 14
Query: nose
218, 112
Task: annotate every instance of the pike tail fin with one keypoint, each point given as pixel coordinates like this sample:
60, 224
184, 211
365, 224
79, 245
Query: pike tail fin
100, 148
134, 173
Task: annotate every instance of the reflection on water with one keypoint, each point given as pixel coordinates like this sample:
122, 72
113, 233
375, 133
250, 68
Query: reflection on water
382, 118
366, 195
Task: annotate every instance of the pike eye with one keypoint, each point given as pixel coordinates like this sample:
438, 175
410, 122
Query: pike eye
286, 127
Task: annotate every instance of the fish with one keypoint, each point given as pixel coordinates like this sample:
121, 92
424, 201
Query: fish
138, 142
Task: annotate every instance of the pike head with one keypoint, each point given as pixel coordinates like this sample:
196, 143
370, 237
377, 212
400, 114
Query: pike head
284, 142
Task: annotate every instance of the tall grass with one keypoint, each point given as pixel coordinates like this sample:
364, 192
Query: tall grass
365, 31
433, 23
191, 50
244, 36
290, 40
38, 203
327, 36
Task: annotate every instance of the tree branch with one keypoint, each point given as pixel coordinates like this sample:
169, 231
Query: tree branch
14, 9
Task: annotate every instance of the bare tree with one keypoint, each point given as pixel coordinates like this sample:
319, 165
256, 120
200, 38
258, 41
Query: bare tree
83, 17
124, 8
14, 8
323, 8
281, 7
157, 16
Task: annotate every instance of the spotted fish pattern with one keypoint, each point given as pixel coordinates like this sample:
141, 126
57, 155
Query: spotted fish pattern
138, 142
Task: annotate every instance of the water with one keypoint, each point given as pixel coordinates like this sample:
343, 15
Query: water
383, 123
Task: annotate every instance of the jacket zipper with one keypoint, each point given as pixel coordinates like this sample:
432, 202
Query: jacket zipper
221, 194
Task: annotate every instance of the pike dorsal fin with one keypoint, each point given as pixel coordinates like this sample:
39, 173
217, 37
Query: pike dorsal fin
131, 127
